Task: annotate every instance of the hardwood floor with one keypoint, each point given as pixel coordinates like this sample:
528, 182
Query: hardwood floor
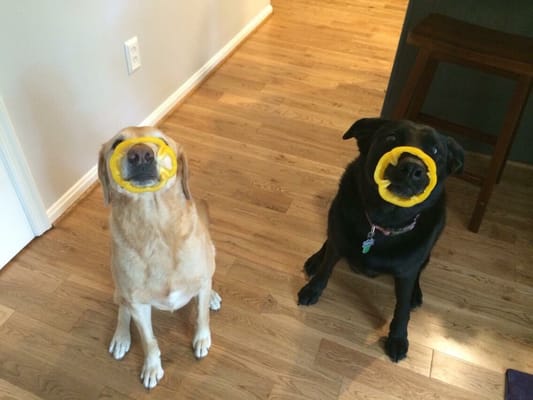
263, 136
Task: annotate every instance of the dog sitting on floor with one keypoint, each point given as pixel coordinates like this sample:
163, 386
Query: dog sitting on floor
162, 253
388, 213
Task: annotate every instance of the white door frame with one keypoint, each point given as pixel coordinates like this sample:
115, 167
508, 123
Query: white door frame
12, 156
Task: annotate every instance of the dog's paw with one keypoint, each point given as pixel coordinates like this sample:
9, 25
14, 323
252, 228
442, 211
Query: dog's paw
215, 301
120, 344
396, 348
152, 372
308, 295
201, 343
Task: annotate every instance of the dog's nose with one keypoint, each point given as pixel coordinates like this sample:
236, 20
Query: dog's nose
140, 154
411, 168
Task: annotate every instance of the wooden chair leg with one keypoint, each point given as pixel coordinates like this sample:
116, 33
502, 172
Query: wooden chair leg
421, 90
400, 111
500, 172
501, 149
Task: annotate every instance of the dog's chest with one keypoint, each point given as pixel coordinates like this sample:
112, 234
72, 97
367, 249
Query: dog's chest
156, 266
175, 300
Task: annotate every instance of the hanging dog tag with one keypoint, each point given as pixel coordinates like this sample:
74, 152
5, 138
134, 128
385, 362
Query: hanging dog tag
369, 242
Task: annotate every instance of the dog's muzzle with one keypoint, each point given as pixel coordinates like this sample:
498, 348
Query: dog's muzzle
136, 167
405, 176
140, 166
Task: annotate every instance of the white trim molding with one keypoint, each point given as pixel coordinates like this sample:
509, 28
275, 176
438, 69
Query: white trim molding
72, 195
12, 156
198, 77
79, 188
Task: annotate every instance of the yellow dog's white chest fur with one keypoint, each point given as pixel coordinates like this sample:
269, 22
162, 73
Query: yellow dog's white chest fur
181, 284
166, 281
174, 301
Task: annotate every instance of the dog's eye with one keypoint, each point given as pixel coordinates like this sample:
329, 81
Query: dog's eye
434, 150
390, 139
116, 143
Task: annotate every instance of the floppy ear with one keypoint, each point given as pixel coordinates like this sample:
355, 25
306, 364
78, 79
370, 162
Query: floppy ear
103, 176
456, 157
362, 130
183, 166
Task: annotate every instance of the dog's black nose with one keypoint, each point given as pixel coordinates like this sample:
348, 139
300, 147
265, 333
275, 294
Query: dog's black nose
140, 154
411, 168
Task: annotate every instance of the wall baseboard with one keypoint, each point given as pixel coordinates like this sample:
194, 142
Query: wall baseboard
199, 76
72, 195
80, 187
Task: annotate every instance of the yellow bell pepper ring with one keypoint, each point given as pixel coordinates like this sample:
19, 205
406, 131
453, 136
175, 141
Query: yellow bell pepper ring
391, 158
167, 164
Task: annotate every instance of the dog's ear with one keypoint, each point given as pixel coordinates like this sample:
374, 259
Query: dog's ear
104, 176
183, 166
362, 130
456, 157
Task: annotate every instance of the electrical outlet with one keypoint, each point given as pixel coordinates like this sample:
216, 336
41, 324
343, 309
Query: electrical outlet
133, 54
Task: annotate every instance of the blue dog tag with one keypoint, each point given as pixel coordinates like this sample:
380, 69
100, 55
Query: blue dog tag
369, 242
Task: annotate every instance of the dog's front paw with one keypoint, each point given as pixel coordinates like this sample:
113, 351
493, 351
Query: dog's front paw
120, 344
201, 343
152, 372
396, 348
308, 295
215, 301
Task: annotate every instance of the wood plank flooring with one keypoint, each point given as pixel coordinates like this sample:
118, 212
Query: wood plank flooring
263, 136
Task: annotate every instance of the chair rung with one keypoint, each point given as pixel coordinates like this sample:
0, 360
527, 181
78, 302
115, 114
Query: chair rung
471, 178
462, 130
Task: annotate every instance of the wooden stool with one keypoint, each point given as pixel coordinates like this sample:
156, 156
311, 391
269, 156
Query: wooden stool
441, 38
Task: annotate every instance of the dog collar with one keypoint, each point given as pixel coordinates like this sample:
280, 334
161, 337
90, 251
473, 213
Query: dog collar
167, 163
369, 242
392, 157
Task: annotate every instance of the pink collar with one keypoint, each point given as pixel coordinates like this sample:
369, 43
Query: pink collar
369, 242
391, 231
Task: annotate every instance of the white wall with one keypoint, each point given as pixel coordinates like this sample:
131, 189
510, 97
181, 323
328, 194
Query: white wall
63, 74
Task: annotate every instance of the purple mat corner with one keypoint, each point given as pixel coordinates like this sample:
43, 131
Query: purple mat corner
518, 385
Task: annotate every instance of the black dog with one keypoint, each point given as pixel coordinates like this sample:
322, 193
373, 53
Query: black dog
376, 236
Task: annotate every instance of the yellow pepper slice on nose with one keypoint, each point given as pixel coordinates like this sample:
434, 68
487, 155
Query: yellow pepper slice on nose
167, 163
391, 158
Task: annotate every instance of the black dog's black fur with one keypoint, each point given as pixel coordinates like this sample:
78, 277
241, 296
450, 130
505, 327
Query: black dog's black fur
357, 202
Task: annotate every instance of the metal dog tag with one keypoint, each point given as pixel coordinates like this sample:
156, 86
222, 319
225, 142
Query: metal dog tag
369, 242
